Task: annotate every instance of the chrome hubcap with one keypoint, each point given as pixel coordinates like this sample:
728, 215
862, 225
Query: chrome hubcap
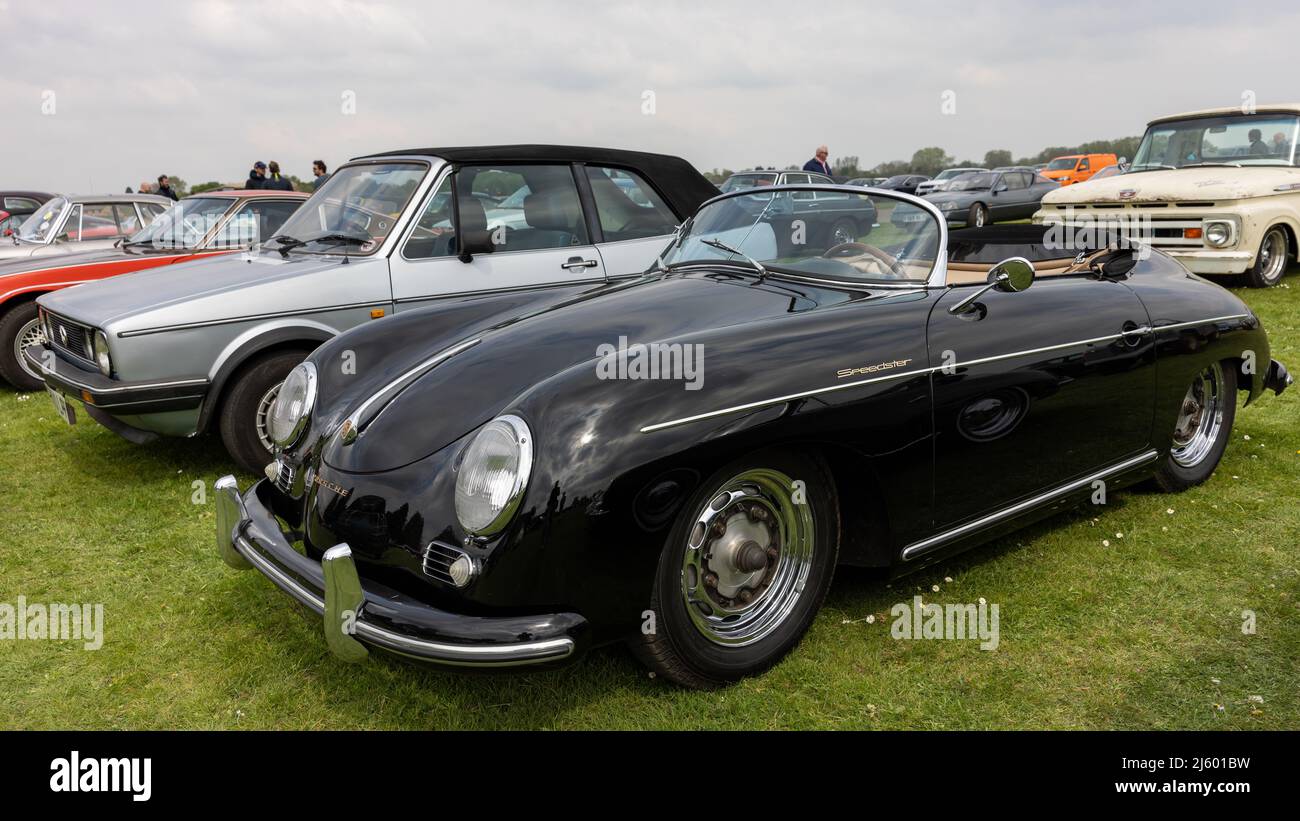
979, 217
264, 411
1272, 256
29, 334
843, 235
1200, 419
747, 558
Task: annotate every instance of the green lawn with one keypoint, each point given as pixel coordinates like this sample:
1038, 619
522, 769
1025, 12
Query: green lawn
1143, 633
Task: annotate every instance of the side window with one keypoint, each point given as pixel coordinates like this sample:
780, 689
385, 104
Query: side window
627, 207
793, 178
151, 211
72, 228
1084, 165
127, 219
1014, 181
522, 207
98, 221
22, 205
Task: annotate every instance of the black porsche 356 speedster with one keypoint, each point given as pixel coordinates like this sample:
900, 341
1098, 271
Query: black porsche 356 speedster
681, 460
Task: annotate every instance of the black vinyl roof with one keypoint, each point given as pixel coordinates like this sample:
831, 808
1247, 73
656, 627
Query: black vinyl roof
675, 179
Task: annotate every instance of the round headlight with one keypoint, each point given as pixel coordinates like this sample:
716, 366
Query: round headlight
1218, 233
493, 475
290, 412
102, 359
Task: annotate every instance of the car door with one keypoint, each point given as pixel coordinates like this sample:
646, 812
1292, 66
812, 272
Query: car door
1010, 191
634, 221
1035, 389
537, 229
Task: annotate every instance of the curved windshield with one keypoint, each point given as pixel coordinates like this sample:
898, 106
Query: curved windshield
41, 225
813, 232
952, 172
740, 182
1254, 139
184, 225
972, 182
354, 211
1063, 164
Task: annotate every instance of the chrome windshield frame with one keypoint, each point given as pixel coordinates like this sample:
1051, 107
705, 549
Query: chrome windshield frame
938, 277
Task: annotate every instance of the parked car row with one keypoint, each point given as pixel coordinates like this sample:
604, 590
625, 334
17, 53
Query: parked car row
511, 403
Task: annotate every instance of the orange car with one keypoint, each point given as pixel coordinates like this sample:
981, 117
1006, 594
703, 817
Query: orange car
1077, 167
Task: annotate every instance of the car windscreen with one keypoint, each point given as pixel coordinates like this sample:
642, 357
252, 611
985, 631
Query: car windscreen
739, 182
40, 226
184, 225
1063, 164
972, 182
1254, 139
355, 210
835, 235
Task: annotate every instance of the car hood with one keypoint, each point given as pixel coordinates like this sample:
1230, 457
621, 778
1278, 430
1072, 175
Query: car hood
515, 353
27, 264
940, 197
154, 297
1182, 184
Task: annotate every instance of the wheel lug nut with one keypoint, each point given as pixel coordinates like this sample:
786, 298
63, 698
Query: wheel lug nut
718, 528
745, 596
711, 580
773, 553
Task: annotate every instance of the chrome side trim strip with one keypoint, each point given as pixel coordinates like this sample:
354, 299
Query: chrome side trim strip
921, 372
926, 545
250, 318
407, 300
470, 655
181, 383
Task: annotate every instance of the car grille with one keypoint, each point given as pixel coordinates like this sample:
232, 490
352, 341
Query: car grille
284, 477
71, 338
1158, 223
438, 558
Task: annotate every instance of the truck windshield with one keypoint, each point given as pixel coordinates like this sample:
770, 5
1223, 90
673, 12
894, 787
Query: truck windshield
1248, 139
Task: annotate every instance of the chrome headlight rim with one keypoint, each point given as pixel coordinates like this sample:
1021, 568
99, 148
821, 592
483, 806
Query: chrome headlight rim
523, 440
1229, 231
99, 347
308, 405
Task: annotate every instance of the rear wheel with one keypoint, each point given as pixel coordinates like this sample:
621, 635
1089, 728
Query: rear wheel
978, 216
844, 230
1202, 429
20, 326
1270, 262
247, 404
744, 571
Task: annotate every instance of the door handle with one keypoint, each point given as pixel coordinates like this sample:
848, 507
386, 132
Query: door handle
1132, 333
579, 262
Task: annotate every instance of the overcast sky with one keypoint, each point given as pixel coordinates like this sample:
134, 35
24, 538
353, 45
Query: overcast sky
98, 96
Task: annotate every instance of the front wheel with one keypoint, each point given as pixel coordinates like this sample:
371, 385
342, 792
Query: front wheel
1270, 262
744, 571
247, 405
844, 230
1202, 429
978, 216
20, 326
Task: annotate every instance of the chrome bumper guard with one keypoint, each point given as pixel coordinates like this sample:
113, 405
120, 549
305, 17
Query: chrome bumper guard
342, 600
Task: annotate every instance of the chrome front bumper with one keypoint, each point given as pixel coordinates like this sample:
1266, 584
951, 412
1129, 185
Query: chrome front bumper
248, 535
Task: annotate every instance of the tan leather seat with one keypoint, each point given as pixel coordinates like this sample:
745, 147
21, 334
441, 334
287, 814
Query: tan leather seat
977, 273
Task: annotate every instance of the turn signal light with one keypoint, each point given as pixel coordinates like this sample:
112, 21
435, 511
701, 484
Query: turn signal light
1191, 233
376, 313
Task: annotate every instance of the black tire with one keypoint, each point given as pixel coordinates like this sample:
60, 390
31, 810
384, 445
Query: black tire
16, 323
239, 410
844, 227
693, 656
1187, 465
978, 216
1271, 259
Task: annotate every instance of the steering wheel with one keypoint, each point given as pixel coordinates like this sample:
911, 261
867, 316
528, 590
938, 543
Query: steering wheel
850, 252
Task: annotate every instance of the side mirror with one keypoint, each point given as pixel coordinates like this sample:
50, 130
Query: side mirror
999, 188
475, 242
1009, 276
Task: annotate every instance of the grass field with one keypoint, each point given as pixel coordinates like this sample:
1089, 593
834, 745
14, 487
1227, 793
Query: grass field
1126, 618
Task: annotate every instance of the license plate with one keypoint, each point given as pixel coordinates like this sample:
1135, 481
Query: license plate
61, 406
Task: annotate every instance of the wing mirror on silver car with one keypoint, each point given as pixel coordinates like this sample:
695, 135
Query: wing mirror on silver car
1009, 276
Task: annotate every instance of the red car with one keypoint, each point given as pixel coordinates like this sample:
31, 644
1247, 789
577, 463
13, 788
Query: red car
217, 222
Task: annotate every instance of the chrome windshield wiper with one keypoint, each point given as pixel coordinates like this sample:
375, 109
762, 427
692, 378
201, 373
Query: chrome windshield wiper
722, 246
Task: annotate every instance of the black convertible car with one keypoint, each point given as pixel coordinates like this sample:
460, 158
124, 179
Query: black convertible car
681, 460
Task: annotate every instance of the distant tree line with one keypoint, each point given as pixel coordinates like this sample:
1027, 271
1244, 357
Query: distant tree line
932, 160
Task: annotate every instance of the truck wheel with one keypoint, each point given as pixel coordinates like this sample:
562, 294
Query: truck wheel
1270, 262
1202, 430
20, 326
744, 571
978, 216
243, 413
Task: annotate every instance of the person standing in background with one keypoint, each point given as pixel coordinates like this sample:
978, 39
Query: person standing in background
275, 182
320, 172
821, 162
145, 188
165, 188
256, 177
